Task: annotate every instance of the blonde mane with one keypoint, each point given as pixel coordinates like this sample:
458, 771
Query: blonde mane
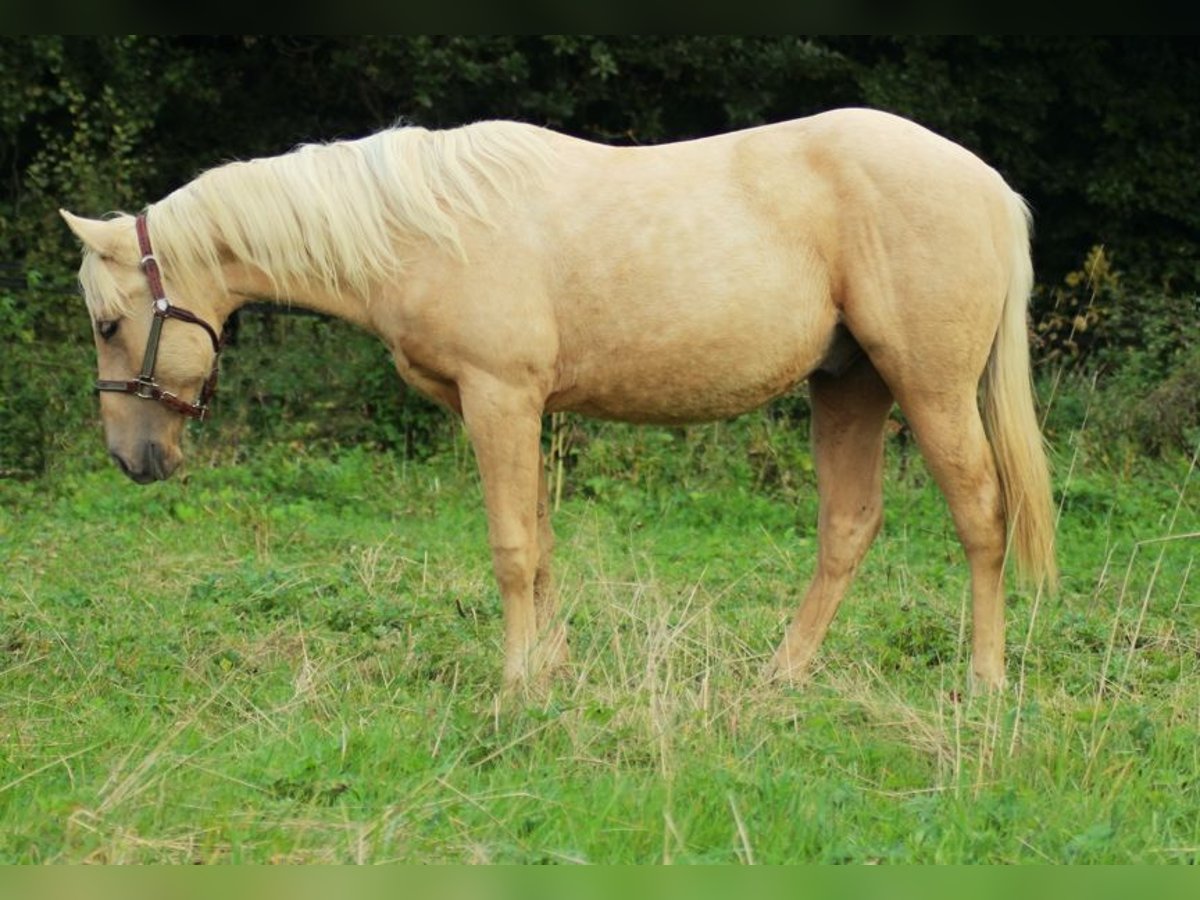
335, 213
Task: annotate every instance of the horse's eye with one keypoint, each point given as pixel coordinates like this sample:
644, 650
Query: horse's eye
108, 328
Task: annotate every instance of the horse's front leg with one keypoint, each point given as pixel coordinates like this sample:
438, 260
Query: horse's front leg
504, 425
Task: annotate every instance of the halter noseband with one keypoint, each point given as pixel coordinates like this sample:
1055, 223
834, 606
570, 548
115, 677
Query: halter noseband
144, 386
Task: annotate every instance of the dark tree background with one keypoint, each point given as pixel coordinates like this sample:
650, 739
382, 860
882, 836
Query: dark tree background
1099, 133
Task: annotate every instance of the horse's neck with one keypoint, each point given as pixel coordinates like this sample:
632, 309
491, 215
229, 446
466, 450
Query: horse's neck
250, 285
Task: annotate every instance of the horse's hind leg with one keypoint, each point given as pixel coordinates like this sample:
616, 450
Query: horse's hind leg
949, 431
848, 415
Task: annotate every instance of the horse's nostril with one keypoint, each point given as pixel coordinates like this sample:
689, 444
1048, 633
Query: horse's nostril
151, 465
156, 461
120, 461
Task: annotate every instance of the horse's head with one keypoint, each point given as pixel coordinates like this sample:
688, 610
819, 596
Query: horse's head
142, 356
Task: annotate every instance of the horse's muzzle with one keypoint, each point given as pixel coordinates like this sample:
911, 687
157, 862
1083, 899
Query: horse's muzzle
153, 463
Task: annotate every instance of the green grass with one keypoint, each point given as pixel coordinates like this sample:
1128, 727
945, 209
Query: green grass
296, 659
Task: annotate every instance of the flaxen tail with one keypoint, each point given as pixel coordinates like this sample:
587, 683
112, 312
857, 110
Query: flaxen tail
1012, 425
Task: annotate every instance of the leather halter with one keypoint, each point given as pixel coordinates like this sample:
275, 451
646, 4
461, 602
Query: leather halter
144, 386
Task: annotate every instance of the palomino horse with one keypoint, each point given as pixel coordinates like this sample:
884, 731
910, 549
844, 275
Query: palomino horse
514, 271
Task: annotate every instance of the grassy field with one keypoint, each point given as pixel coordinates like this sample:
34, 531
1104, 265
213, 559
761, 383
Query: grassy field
294, 659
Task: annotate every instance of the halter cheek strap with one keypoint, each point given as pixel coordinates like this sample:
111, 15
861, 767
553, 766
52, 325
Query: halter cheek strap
145, 386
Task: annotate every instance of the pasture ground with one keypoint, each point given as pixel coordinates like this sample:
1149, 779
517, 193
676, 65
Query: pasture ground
293, 658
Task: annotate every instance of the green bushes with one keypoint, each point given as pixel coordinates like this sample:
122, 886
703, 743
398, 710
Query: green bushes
1130, 351
46, 371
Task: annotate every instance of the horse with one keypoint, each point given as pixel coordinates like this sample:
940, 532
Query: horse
514, 271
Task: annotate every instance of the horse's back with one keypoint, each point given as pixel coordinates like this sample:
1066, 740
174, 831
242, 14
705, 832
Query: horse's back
811, 189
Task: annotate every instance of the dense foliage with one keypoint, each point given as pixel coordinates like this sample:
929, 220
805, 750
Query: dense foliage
1098, 133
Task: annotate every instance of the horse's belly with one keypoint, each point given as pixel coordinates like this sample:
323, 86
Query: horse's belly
648, 380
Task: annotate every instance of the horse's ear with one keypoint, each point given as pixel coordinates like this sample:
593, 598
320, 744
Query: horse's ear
102, 236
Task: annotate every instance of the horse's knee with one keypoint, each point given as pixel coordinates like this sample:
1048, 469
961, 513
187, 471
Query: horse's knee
986, 553
514, 567
984, 537
846, 536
